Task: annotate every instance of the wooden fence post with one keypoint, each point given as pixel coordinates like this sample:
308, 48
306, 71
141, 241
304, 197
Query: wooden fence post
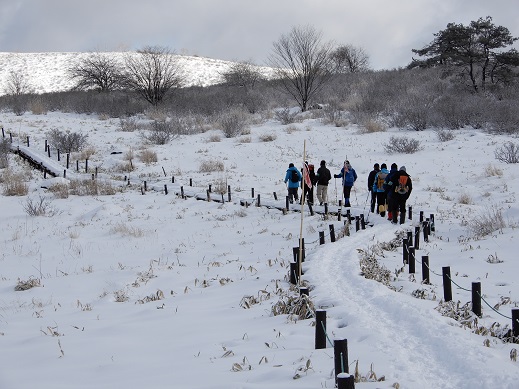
287, 203
425, 269
321, 237
410, 212
405, 251
515, 322
294, 273
252, 193
476, 298
362, 221
345, 381
421, 216
417, 238
412, 263
27, 140
340, 356
275, 195
357, 223
229, 193
425, 230
339, 211
332, 233
165, 189
431, 222
190, 182
304, 292
447, 286
320, 329
68, 159
258, 203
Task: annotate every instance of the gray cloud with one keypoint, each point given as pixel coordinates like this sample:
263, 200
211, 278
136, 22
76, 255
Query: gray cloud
237, 29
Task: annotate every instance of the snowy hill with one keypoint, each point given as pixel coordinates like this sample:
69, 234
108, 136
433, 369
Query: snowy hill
45, 72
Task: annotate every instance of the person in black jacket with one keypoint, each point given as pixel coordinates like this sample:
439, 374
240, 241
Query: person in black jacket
371, 180
402, 188
323, 176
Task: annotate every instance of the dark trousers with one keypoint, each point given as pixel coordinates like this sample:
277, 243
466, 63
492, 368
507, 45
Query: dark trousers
381, 202
373, 200
292, 194
347, 191
309, 195
398, 208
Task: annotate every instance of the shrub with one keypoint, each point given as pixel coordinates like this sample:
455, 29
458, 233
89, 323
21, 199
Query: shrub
486, 222
4, 153
233, 123
508, 153
267, 137
211, 165
493, 171
285, 116
129, 124
14, 184
444, 135
22, 285
40, 207
148, 156
67, 141
370, 126
159, 132
402, 144
59, 190
214, 138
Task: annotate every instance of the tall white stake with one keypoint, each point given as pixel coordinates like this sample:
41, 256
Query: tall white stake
300, 259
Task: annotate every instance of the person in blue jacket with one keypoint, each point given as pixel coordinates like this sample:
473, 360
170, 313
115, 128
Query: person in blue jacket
293, 177
349, 176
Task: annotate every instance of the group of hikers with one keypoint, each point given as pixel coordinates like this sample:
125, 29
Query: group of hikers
389, 189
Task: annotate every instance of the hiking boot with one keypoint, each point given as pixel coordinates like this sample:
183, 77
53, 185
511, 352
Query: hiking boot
347, 204
321, 203
382, 214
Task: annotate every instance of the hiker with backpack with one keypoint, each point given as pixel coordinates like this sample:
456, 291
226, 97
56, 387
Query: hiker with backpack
388, 189
349, 176
402, 184
371, 180
311, 179
292, 177
323, 176
379, 191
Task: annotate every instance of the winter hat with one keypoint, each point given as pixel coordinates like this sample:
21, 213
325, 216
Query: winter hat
376, 166
402, 168
394, 166
290, 165
384, 166
323, 162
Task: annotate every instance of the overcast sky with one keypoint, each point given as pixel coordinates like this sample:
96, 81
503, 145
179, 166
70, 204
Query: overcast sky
238, 29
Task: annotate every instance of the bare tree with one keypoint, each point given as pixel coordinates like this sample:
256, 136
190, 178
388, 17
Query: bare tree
153, 72
302, 63
16, 84
349, 59
242, 74
98, 71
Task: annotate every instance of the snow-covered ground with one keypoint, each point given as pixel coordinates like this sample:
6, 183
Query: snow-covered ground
186, 267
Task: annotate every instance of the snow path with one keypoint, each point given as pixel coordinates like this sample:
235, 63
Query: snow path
424, 348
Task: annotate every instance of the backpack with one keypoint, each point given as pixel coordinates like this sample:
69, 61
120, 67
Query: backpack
294, 177
402, 187
381, 177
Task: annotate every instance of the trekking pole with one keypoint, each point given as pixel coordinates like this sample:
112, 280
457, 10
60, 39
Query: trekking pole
335, 190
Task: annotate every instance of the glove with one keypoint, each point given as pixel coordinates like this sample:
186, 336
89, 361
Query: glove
335, 176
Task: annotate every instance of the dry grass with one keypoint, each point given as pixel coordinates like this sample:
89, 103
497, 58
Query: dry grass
126, 230
464, 198
211, 165
92, 188
371, 126
27, 284
59, 190
267, 138
14, 184
148, 156
493, 171
214, 138
244, 139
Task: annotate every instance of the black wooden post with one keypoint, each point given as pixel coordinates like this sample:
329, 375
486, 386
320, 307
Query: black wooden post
86, 165
295, 253
252, 193
172, 179
410, 213
182, 192
340, 356
345, 381
421, 216
425, 230
46, 142
476, 298
304, 292
310, 208
447, 286
348, 215
405, 251
27, 140
145, 186
11, 137
48, 151
294, 273
417, 238
65, 173
3, 133
428, 226
431, 222
210, 188
190, 182
339, 211
228, 193
321, 237
357, 223
44, 173
223, 199
287, 203
412, 263
303, 253
68, 159
362, 221
275, 195
326, 208
258, 203
410, 238
515, 322
208, 194
165, 189
332, 233
425, 269
59, 155
320, 329
96, 170
93, 177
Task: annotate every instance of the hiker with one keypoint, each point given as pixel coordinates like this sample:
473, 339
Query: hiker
309, 190
292, 177
349, 176
389, 191
402, 184
379, 191
371, 180
323, 176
